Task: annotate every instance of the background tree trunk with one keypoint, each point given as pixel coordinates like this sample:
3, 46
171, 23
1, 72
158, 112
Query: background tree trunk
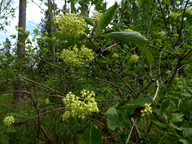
19, 85
51, 13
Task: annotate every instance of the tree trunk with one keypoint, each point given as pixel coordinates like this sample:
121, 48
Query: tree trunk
19, 85
51, 14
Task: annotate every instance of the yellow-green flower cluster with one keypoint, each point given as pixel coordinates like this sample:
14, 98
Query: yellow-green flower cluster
9, 120
80, 107
70, 25
47, 101
147, 110
174, 15
161, 33
115, 55
128, 30
77, 57
96, 17
134, 58
189, 11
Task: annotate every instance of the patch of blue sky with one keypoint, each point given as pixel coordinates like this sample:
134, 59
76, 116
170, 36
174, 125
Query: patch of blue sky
34, 16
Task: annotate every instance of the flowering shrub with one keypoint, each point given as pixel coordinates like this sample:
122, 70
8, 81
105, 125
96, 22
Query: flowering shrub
70, 25
77, 57
9, 120
77, 107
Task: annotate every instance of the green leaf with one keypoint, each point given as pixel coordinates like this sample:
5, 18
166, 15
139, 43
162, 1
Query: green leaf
168, 2
106, 17
142, 101
130, 108
187, 132
165, 105
176, 117
186, 105
112, 118
148, 55
175, 127
91, 136
11, 130
163, 125
89, 21
183, 141
128, 37
4, 139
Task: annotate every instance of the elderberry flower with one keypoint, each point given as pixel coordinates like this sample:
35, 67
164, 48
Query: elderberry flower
115, 55
134, 58
174, 15
9, 120
189, 11
70, 25
96, 17
47, 101
79, 107
77, 57
66, 115
128, 30
147, 110
161, 33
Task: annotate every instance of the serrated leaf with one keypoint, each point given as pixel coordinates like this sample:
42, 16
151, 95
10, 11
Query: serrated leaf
113, 121
142, 101
106, 17
91, 136
176, 117
187, 132
128, 37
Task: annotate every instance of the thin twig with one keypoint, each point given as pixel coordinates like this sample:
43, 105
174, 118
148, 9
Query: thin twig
157, 90
165, 22
40, 115
129, 87
146, 87
129, 135
182, 22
